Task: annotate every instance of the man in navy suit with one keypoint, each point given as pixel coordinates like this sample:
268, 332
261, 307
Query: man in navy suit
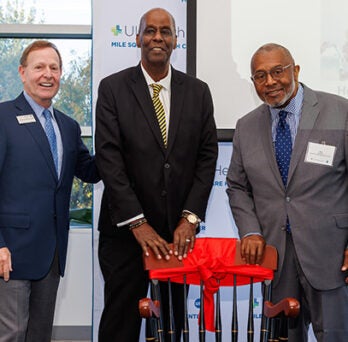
35, 188
157, 182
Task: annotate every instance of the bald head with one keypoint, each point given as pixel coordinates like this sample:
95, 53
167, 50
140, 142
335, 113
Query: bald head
270, 47
142, 23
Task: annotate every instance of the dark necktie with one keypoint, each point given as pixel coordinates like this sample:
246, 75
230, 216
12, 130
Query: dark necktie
160, 114
51, 136
283, 146
283, 149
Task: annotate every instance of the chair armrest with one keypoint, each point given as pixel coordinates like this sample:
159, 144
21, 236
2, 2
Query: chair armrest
149, 308
289, 306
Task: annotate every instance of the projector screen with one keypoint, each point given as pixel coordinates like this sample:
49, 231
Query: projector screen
229, 31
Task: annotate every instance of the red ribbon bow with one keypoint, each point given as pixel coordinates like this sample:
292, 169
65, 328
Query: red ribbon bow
213, 262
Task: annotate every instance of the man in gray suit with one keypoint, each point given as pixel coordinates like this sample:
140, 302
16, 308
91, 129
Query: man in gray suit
299, 205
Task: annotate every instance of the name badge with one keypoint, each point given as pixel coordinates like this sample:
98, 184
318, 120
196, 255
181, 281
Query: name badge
320, 154
24, 119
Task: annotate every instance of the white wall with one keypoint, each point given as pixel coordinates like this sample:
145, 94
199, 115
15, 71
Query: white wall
230, 31
74, 302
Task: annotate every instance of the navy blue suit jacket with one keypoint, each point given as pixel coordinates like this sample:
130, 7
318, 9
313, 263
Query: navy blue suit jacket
34, 203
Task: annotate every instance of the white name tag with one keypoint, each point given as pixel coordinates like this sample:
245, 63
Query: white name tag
320, 154
24, 119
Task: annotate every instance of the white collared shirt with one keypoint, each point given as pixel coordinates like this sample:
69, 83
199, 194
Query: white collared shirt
164, 94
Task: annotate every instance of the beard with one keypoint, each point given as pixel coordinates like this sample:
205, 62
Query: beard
286, 99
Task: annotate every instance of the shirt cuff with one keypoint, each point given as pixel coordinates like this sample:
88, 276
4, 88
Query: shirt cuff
124, 223
256, 233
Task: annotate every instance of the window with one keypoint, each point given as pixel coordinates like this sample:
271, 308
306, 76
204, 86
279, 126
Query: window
21, 22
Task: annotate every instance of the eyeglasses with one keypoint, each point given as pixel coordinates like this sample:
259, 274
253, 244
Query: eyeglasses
276, 73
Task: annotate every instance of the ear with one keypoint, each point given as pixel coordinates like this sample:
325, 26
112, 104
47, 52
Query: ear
175, 42
137, 40
296, 72
21, 71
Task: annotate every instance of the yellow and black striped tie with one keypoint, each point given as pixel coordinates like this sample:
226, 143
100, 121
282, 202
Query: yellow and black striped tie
161, 116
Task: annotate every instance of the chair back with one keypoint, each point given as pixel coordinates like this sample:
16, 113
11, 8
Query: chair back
214, 262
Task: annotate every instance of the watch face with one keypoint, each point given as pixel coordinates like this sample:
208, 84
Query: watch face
192, 219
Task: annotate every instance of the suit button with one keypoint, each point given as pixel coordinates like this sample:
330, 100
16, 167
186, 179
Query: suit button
163, 193
166, 166
283, 228
288, 199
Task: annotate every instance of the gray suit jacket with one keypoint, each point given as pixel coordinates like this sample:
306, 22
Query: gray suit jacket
316, 198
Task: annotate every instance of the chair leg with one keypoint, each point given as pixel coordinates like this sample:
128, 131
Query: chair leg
274, 330
265, 321
186, 330
201, 315
151, 329
218, 327
234, 326
283, 328
171, 332
156, 295
250, 332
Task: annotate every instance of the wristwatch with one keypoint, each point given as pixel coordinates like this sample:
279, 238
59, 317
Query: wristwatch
191, 218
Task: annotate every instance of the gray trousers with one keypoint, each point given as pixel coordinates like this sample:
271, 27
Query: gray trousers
326, 310
27, 308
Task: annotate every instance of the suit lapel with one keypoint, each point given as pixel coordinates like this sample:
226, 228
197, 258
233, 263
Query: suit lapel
143, 97
265, 125
37, 132
176, 104
310, 112
64, 137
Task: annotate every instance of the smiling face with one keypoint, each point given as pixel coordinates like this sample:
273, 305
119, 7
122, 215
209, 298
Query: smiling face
41, 74
156, 39
279, 92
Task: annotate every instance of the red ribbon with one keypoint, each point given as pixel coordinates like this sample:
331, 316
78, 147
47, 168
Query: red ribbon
212, 261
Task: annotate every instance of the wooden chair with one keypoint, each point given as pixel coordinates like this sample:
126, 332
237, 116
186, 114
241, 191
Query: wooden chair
217, 262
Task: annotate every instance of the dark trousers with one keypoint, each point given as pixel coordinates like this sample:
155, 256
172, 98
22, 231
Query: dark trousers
326, 310
126, 282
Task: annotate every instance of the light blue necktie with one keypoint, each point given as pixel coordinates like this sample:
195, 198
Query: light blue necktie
283, 149
51, 136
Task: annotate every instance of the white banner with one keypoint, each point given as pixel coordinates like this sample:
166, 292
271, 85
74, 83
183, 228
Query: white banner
219, 223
